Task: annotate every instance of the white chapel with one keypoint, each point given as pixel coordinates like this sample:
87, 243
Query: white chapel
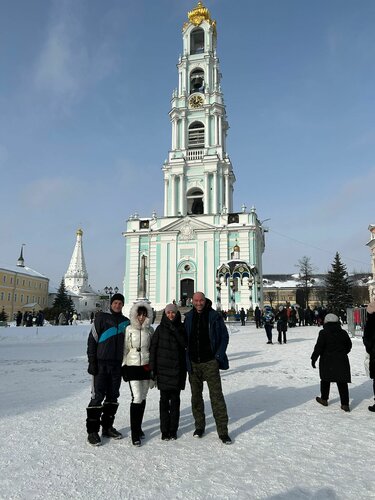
200, 243
76, 281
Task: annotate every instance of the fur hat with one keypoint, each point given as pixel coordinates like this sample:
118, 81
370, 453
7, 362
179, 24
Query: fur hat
118, 296
170, 307
331, 318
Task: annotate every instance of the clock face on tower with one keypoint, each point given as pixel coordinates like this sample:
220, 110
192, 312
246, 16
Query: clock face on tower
196, 101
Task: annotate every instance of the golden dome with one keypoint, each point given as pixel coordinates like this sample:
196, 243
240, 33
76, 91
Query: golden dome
198, 14
79, 232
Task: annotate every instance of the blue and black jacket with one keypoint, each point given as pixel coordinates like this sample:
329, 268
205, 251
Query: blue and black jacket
106, 338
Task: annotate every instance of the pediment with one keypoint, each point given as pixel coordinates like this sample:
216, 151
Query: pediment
186, 226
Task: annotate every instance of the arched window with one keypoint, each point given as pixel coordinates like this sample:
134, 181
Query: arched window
195, 202
197, 41
197, 81
196, 135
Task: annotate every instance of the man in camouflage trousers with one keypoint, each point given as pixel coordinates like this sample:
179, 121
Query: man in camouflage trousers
206, 355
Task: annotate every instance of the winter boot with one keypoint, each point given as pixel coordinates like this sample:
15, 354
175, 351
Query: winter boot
143, 406
321, 401
93, 424
371, 408
135, 423
108, 417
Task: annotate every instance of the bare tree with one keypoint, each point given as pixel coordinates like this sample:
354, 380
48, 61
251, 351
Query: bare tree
306, 277
270, 297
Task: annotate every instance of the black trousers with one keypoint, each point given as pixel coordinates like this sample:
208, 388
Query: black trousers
169, 407
106, 384
341, 386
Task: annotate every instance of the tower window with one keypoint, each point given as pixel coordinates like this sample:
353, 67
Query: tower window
196, 135
197, 81
197, 41
195, 202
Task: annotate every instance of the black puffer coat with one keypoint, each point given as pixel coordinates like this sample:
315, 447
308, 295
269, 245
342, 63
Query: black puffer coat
333, 346
369, 341
167, 354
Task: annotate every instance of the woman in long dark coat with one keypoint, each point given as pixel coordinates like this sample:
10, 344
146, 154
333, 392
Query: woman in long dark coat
333, 346
168, 366
369, 341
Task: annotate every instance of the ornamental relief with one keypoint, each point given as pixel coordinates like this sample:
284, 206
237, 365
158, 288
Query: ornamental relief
187, 232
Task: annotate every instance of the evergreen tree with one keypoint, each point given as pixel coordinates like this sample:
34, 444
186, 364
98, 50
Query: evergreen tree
63, 302
3, 315
339, 295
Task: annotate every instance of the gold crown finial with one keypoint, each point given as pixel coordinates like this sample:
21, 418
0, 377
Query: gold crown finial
79, 232
198, 14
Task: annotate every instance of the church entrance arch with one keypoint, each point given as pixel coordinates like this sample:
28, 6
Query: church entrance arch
186, 290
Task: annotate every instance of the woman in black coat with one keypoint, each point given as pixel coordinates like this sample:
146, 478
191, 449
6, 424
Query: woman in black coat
369, 341
168, 366
333, 346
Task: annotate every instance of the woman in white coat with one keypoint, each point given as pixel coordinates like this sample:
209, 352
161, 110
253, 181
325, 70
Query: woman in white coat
136, 368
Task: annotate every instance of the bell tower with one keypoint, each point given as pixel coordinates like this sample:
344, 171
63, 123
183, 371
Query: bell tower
198, 175
200, 242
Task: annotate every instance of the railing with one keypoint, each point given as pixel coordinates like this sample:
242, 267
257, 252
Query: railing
195, 154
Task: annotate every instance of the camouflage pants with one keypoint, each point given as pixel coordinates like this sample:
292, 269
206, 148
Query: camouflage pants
208, 372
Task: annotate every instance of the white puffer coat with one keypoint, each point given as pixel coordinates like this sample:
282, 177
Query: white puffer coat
138, 337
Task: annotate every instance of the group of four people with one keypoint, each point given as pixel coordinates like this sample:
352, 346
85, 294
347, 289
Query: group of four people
128, 348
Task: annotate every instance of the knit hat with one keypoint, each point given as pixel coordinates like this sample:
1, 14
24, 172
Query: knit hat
331, 318
170, 307
371, 308
118, 296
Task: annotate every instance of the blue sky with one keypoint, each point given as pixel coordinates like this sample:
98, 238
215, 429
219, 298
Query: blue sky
85, 89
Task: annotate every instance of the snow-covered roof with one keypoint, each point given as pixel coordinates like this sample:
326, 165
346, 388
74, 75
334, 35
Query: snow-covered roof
23, 270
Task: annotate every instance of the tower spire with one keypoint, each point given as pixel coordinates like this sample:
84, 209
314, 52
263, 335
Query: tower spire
20, 261
76, 277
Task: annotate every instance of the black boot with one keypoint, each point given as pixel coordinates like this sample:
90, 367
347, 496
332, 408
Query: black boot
93, 424
143, 406
108, 417
135, 423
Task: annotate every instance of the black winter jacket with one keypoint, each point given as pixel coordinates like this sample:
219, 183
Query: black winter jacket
167, 354
106, 338
333, 346
369, 341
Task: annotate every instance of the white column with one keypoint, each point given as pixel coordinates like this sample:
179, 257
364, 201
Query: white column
174, 138
173, 195
226, 180
165, 197
216, 129
183, 133
214, 194
182, 195
206, 198
220, 131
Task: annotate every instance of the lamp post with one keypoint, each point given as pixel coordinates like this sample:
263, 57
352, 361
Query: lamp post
218, 289
232, 299
109, 291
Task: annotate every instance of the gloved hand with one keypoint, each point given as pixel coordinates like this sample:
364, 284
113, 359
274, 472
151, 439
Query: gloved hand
93, 366
313, 363
152, 375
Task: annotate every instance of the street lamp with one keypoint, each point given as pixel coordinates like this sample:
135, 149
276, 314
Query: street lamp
109, 291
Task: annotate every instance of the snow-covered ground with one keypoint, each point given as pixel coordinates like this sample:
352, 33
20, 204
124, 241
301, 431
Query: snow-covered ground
285, 445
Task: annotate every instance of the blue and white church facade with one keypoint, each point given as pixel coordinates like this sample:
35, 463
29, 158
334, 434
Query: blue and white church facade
200, 243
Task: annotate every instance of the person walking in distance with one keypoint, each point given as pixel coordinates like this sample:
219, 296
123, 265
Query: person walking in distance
369, 342
206, 355
333, 346
105, 347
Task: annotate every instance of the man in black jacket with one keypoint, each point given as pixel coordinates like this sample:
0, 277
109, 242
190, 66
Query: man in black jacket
206, 355
105, 349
